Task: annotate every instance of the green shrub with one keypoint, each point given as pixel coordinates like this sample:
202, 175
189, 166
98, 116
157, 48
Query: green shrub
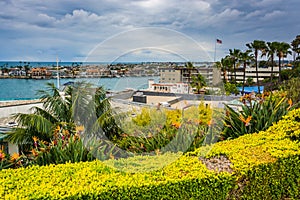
230, 88
165, 130
292, 88
94, 180
257, 114
265, 165
279, 180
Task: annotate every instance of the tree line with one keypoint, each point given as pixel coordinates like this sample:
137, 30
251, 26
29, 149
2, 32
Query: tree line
255, 50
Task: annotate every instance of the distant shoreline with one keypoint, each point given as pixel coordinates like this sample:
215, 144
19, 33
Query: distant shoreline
70, 77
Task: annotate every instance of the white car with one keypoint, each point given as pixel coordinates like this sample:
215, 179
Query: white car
165, 104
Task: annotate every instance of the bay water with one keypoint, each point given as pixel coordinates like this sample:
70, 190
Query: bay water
23, 89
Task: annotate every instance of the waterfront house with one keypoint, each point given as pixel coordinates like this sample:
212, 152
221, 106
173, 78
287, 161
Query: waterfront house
40, 73
16, 72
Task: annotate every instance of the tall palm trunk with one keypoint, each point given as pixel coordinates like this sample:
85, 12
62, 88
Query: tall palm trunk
244, 78
256, 69
272, 67
225, 79
279, 65
234, 69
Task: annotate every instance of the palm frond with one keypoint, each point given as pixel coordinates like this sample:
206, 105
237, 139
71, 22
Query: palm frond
44, 113
20, 136
53, 102
35, 123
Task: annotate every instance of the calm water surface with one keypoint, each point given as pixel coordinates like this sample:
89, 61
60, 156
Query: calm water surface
17, 89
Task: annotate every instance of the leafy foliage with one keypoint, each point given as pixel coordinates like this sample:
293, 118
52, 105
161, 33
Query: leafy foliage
230, 88
265, 166
153, 130
292, 88
256, 114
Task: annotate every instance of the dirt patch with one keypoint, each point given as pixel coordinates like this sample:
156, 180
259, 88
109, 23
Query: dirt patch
218, 164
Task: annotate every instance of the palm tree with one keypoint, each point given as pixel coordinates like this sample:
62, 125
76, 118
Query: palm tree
295, 47
269, 52
245, 58
234, 54
256, 46
198, 82
189, 67
26, 68
64, 111
227, 67
222, 68
282, 49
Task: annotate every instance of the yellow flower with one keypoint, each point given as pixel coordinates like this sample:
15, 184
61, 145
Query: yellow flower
35, 139
246, 121
42, 149
2, 155
176, 125
79, 128
157, 151
290, 102
209, 122
15, 157
34, 153
57, 129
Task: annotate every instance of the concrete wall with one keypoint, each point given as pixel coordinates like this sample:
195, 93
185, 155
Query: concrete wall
9, 110
12, 148
191, 96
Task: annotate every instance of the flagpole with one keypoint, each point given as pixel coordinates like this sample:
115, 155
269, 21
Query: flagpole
215, 49
57, 72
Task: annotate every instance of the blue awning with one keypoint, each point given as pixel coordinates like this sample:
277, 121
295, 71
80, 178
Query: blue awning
251, 89
69, 83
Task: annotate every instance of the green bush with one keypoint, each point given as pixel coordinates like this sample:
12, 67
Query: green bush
265, 165
151, 130
279, 180
292, 88
94, 180
230, 88
257, 114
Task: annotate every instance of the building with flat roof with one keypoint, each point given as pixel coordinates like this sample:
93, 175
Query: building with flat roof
182, 88
181, 74
251, 73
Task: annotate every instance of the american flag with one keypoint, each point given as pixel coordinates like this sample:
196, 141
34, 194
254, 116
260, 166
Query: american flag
219, 41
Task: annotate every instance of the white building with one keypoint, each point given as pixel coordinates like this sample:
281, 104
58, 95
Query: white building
251, 73
182, 88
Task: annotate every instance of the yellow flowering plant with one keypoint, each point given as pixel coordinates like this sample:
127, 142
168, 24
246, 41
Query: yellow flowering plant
256, 114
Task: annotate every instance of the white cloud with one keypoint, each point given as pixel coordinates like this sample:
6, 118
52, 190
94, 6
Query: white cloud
74, 27
273, 15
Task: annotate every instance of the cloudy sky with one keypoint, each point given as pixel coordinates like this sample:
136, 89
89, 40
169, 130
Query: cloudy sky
135, 30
